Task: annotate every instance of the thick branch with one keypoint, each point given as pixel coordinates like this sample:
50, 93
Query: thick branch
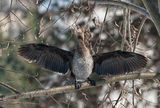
70, 88
123, 4
154, 14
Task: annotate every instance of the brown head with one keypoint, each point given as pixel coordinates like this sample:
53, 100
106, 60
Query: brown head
80, 33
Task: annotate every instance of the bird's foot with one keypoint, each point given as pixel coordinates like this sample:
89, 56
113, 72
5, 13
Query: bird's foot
77, 84
91, 82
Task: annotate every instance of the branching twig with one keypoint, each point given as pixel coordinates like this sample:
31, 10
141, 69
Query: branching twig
8, 14
98, 40
85, 85
18, 19
123, 4
25, 7
120, 95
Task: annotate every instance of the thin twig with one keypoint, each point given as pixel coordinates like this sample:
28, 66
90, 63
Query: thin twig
135, 44
8, 12
2, 68
139, 31
18, 19
9, 87
106, 96
130, 42
52, 22
98, 40
120, 95
50, 1
124, 28
25, 7
129, 28
6, 103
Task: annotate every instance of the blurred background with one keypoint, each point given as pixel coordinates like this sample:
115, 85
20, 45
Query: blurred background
53, 22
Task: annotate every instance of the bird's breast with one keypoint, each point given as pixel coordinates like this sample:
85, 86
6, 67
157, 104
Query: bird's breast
82, 66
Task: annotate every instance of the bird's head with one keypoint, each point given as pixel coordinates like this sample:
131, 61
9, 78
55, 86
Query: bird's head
80, 33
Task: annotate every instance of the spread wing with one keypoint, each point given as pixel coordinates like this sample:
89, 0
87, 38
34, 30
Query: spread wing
48, 57
118, 62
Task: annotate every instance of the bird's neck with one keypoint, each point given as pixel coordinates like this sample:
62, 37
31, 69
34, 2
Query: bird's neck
81, 48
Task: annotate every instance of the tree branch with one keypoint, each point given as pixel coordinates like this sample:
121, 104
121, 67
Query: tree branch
139, 31
9, 87
125, 11
154, 14
85, 85
123, 4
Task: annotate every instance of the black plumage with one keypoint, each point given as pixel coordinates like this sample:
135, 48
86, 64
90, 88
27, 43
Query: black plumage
56, 59
118, 62
48, 57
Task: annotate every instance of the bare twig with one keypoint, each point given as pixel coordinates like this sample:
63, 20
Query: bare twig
98, 40
30, 12
123, 4
129, 28
130, 49
8, 12
124, 28
139, 31
50, 1
5, 17
85, 85
106, 96
18, 19
120, 95
133, 93
9, 87
6, 103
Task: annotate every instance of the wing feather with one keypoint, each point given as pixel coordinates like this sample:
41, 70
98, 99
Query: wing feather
49, 57
118, 62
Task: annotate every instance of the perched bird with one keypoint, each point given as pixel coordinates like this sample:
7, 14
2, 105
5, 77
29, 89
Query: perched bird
80, 61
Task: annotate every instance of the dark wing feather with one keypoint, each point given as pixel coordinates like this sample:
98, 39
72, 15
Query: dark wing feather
49, 57
118, 62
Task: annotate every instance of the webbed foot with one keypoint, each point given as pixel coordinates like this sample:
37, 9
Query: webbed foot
91, 82
77, 84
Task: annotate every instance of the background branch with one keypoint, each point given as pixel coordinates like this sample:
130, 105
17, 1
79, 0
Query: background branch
125, 11
139, 31
154, 14
70, 88
9, 87
123, 4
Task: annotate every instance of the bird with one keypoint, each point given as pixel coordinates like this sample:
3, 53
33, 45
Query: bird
80, 62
